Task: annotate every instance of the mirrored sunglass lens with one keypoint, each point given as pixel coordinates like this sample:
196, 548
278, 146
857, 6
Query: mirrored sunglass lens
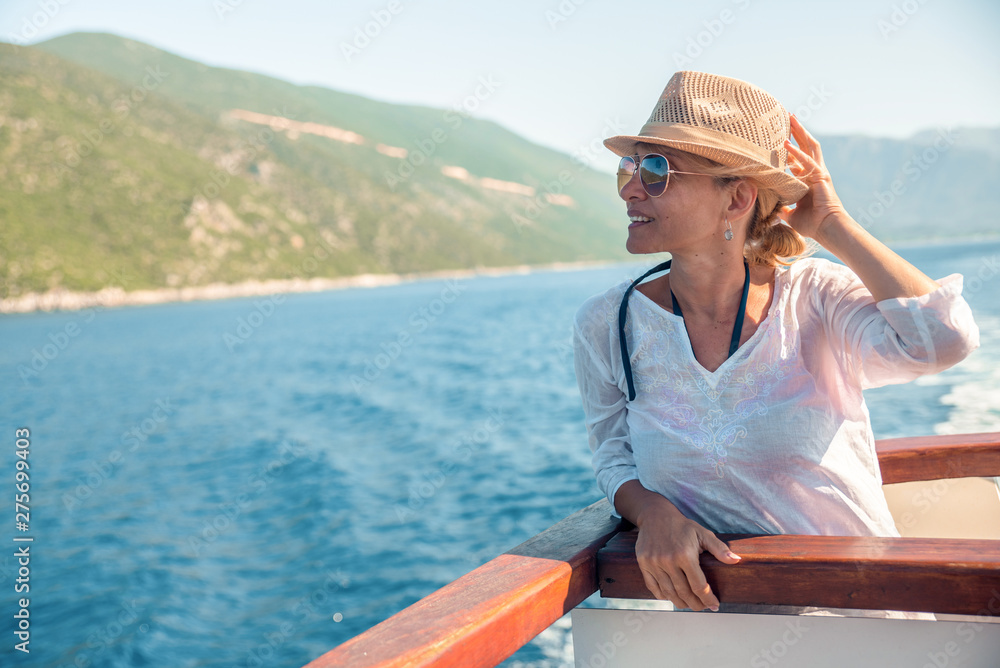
653, 171
626, 168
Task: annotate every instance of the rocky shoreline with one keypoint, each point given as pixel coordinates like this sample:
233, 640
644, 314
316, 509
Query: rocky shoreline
113, 297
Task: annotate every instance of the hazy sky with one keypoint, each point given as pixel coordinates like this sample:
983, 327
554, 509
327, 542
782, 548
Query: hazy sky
566, 72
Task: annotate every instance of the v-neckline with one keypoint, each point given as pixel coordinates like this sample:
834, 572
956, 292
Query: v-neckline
744, 350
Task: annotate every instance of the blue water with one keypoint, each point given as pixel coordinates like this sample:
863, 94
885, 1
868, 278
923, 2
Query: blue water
250, 483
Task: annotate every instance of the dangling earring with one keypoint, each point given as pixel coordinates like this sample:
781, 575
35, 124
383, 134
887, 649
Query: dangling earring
729, 231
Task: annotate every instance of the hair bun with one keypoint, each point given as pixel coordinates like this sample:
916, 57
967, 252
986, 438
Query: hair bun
770, 241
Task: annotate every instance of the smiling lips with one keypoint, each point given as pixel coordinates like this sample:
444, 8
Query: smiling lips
635, 221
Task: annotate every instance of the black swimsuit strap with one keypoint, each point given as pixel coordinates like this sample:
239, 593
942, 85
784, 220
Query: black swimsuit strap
734, 342
622, 315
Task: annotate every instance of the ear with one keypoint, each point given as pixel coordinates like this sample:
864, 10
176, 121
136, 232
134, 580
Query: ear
742, 198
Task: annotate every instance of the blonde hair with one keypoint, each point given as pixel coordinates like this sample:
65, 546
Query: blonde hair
770, 242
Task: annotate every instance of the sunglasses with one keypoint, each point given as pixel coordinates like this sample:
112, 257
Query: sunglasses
654, 173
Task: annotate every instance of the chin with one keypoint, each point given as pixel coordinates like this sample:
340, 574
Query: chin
636, 248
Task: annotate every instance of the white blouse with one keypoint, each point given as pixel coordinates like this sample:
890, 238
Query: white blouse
777, 439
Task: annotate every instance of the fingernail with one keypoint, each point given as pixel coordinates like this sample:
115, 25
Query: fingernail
733, 556
714, 608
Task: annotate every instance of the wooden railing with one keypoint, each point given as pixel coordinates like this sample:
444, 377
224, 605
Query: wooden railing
487, 615
917, 574
939, 457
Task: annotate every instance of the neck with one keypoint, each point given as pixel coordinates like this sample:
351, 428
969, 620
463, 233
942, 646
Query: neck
707, 285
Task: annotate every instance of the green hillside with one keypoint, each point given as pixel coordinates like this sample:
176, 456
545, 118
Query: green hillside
484, 147
120, 165
124, 165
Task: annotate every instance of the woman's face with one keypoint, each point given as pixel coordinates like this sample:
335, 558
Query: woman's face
690, 215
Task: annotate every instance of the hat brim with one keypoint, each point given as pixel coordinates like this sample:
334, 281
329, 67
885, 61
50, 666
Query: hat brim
709, 144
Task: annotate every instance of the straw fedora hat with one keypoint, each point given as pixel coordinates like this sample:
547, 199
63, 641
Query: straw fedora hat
722, 119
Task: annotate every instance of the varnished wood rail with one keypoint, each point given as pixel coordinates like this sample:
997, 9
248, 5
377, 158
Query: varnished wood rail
487, 615
916, 574
937, 457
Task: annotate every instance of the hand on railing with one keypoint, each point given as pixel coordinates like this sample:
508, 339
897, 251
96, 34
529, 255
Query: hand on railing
668, 552
669, 547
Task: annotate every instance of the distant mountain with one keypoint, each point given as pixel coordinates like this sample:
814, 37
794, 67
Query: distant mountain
937, 184
124, 165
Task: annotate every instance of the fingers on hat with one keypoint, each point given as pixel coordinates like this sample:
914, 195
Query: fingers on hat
803, 136
795, 152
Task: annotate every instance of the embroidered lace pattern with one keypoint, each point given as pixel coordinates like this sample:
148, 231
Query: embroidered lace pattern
777, 439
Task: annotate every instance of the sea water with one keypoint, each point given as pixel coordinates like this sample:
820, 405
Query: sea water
252, 482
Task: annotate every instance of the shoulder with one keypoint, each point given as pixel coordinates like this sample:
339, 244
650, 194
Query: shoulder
595, 333
600, 312
819, 270
818, 278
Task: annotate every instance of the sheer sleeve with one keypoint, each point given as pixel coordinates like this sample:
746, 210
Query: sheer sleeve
895, 340
604, 403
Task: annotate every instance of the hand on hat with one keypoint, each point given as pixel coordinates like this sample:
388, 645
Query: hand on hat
816, 207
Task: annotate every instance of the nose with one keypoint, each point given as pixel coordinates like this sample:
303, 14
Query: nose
633, 189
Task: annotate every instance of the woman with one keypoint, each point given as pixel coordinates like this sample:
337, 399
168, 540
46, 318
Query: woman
725, 395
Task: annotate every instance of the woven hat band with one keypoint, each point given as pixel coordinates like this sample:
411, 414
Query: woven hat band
706, 142
722, 119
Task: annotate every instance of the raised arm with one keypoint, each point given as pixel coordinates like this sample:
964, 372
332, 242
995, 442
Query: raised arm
907, 332
821, 216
